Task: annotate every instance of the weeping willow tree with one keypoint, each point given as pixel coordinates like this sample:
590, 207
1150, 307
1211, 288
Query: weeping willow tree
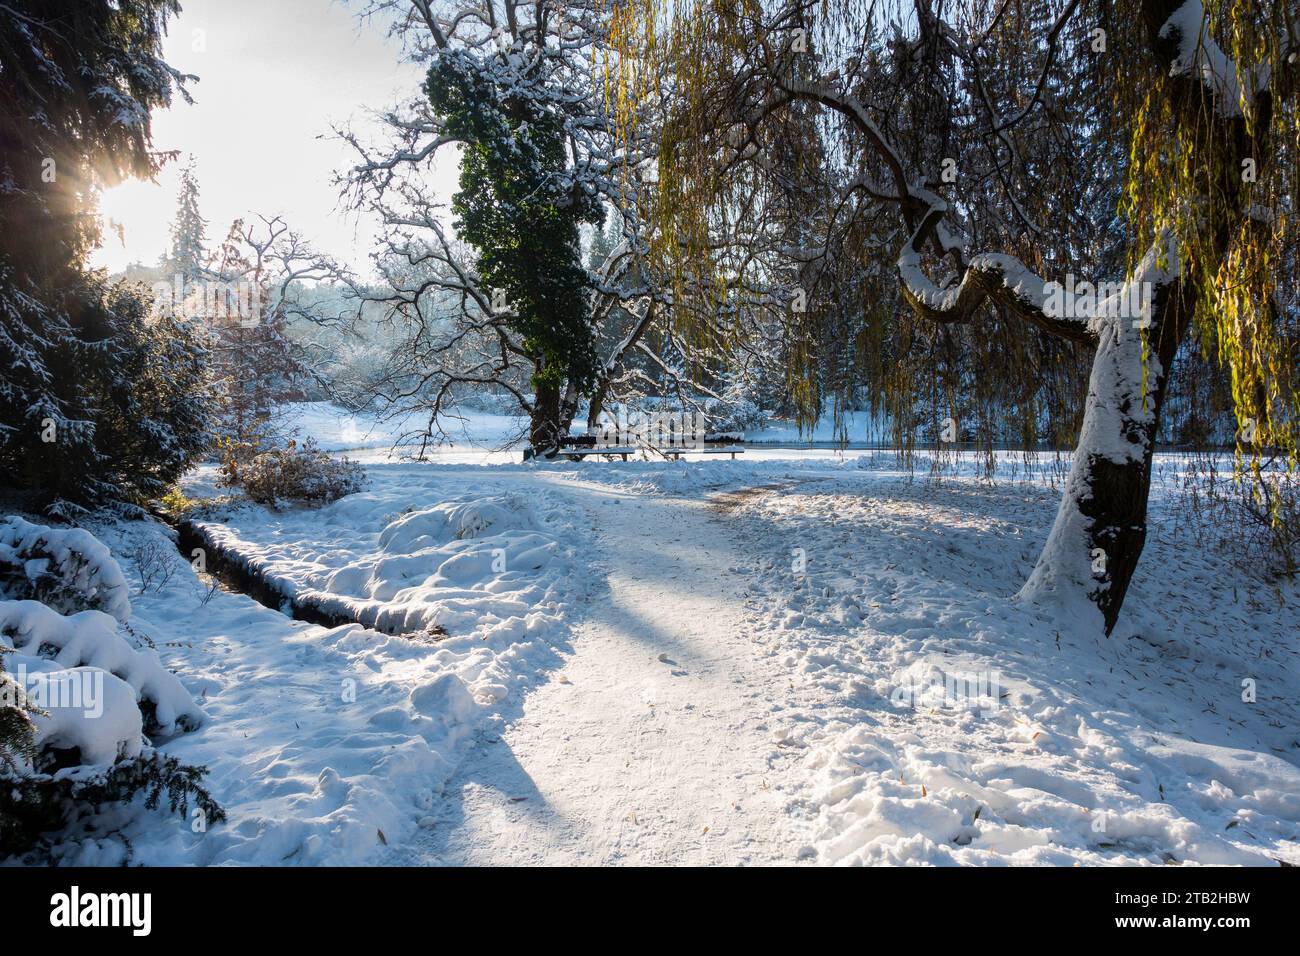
1042, 203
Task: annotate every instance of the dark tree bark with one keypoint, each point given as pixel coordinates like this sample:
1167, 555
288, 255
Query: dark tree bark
546, 429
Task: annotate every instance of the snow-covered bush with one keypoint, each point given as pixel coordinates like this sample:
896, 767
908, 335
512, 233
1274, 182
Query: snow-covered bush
78, 702
300, 473
17, 732
66, 569
736, 410
35, 804
44, 642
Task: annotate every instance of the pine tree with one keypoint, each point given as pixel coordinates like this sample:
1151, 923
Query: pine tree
188, 255
604, 242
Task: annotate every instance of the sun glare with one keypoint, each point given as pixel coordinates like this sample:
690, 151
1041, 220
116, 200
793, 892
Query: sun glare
136, 215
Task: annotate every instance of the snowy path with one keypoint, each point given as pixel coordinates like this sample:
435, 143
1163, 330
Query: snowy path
667, 673
623, 756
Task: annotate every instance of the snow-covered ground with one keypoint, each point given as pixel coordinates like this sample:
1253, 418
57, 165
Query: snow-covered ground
336, 430
325, 743
479, 432
941, 723
799, 656
654, 743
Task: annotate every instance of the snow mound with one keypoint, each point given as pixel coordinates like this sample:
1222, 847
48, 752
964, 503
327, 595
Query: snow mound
450, 567
468, 564
66, 568
83, 707
472, 564
457, 520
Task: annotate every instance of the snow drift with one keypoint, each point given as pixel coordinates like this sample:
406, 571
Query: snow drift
330, 745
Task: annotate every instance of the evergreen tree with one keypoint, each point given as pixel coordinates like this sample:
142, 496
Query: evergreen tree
188, 254
78, 80
604, 242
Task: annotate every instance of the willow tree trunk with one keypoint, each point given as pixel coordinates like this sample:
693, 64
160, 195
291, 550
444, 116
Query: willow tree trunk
1100, 527
1101, 524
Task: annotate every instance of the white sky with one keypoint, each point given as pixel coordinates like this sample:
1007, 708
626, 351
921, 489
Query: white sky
273, 76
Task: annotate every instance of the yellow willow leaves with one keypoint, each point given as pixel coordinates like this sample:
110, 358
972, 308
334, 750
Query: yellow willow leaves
1183, 180
628, 70
671, 57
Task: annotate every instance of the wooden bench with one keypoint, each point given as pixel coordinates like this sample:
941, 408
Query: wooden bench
676, 453
579, 452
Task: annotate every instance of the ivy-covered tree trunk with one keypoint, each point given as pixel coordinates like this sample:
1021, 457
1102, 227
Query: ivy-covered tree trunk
546, 430
520, 207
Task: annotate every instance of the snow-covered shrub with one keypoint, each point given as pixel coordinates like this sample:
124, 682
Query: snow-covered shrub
42, 643
39, 803
17, 732
300, 473
78, 701
66, 569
